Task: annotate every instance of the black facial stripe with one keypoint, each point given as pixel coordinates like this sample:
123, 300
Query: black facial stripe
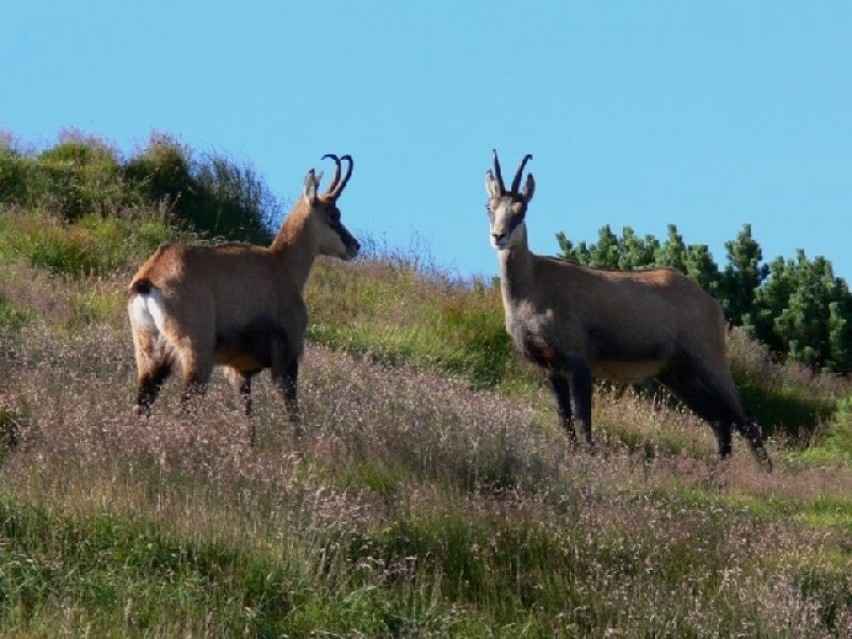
343, 233
514, 222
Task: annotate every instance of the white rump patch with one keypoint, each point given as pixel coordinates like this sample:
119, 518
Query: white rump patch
149, 310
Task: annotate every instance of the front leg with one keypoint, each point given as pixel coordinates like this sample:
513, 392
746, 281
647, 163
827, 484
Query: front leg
563, 403
245, 395
285, 375
244, 390
289, 388
581, 393
286, 380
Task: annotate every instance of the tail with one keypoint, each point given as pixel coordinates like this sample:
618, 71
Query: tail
146, 305
140, 287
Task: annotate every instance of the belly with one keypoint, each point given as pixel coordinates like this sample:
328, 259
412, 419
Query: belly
243, 362
248, 348
630, 372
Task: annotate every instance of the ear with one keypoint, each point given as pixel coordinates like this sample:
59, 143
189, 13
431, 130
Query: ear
529, 188
311, 186
492, 186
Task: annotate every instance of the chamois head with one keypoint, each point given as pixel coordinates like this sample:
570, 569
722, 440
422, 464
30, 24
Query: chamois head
506, 209
334, 238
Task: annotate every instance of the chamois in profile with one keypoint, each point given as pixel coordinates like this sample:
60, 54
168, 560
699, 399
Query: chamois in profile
578, 323
236, 304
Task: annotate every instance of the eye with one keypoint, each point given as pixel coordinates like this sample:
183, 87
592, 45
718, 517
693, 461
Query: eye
334, 215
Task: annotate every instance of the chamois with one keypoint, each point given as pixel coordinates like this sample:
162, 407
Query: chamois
577, 323
235, 304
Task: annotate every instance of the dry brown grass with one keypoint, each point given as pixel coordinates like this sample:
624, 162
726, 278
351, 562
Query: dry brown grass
408, 485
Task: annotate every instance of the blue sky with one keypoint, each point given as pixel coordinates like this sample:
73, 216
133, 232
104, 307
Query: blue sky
708, 115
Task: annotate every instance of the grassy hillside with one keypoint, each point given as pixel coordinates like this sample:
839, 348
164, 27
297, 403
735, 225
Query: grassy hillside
432, 495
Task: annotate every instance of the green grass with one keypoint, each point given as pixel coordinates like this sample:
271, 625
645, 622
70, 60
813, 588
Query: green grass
10, 316
93, 246
836, 444
115, 576
393, 315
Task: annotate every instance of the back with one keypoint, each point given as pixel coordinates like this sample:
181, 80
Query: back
644, 312
235, 284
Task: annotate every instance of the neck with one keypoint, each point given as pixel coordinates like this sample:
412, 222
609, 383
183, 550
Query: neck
296, 245
515, 271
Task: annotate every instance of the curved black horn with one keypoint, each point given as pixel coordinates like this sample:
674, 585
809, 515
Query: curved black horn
336, 177
346, 175
497, 173
516, 183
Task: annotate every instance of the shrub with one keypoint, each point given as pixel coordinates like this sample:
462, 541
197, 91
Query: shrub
213, 195
78, 177
161, 172
83, 176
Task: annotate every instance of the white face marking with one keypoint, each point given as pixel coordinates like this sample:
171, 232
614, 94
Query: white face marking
507, 223
335, 239
330, 243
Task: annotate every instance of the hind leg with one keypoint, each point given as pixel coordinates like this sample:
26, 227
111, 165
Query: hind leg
722, 409
153, 366
149, 384
723, 389
749, 429
196, 362
691, 391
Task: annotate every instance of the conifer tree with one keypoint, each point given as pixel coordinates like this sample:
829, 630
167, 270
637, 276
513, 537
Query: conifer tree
673, 252
742, 276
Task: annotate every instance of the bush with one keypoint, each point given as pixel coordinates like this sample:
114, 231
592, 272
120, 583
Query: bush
213, 196
83, 176
77, 177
